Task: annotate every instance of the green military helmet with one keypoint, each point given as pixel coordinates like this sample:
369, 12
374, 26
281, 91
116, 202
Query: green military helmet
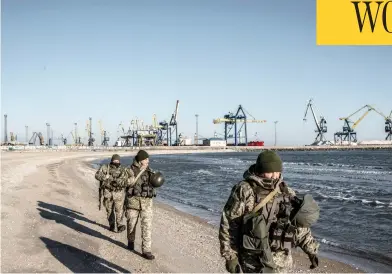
157, 179
308, 213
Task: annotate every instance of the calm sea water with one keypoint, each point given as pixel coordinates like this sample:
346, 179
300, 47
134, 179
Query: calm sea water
353, 189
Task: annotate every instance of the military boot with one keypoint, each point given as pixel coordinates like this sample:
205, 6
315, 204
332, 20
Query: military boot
131, 245
112, 227
148, 256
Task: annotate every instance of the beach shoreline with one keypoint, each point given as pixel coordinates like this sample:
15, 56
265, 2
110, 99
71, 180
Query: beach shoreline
62, 185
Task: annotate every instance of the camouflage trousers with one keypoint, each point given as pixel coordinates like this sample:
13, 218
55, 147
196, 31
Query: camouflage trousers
252, 263
145, 224
114, 204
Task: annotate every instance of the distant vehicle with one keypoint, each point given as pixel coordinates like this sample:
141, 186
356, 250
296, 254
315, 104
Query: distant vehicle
256, 143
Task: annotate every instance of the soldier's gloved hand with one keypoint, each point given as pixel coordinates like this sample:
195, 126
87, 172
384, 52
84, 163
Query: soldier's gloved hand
314, 260
232, 265
107, 177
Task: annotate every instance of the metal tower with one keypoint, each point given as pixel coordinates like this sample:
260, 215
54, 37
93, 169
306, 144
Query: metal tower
91, 140
321, 126
388, 127
165, 129
231, 121
348, 133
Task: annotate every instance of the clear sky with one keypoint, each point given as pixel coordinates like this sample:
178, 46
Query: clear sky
66, 61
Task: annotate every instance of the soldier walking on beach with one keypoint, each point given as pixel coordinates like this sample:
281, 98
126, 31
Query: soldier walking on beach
113, 181
139, 201
263, 220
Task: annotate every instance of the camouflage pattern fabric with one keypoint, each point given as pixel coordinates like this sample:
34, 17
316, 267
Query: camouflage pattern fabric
131, 178
118, 177
146, 225
113, 191
139, 206
114, 204
241, 201
132, 201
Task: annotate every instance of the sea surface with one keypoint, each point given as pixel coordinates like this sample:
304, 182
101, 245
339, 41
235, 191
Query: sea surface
353, 189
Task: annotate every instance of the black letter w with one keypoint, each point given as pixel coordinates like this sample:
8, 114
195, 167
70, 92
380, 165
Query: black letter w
368, 11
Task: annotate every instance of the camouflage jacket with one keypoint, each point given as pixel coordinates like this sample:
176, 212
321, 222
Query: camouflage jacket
133, 201
242, 201
118, 177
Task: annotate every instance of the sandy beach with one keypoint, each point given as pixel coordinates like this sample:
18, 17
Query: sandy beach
51, 223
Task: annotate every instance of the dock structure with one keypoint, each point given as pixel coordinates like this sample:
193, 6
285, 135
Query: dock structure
160, 134
201, 149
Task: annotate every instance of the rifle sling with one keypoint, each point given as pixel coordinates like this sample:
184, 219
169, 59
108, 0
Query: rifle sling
267, 199
140, 173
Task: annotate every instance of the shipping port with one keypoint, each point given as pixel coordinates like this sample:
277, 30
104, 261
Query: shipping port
233, 131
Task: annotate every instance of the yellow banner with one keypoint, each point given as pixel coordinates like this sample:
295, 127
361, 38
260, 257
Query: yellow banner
344, 22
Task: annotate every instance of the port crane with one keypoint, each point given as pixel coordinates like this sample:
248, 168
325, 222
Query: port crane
127, 135
166, 129
104, 137
62, 139
146, 135
173, 123
348, 133
388, 126
91, 140
36, 135
77, 140
321, 125
230, 120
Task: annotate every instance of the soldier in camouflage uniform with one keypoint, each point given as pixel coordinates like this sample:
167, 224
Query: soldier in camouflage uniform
260, 180
139, 202
113, 183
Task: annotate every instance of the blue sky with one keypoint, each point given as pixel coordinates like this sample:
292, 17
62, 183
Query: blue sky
66, 61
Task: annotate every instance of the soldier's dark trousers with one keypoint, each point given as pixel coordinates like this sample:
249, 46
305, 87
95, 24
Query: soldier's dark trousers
114, 204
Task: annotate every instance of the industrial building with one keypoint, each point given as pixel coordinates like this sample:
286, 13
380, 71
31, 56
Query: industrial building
215, 142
